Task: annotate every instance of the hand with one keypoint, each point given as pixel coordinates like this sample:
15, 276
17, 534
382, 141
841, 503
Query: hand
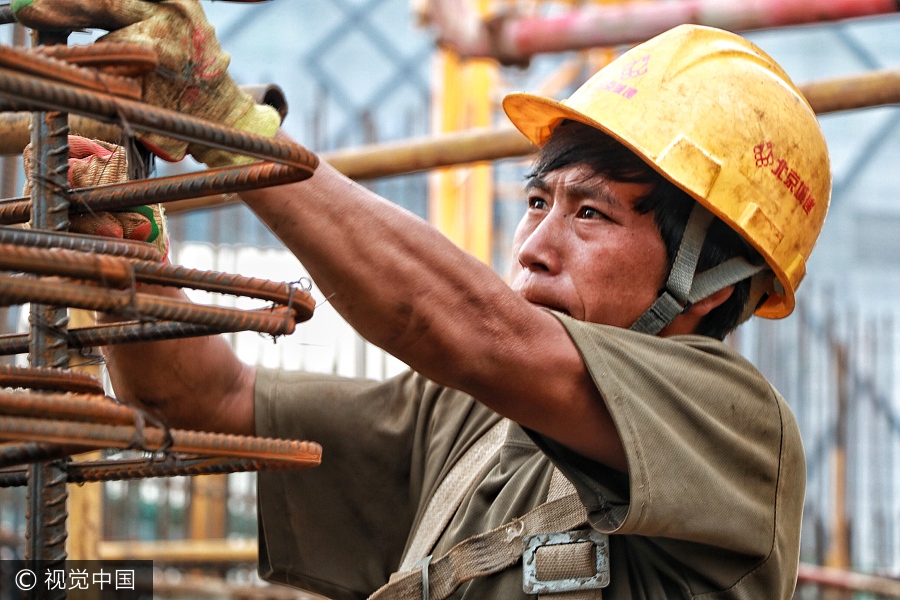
93, 162
192, 76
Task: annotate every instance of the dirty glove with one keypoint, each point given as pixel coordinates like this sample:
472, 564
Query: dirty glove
94, 162
192, 76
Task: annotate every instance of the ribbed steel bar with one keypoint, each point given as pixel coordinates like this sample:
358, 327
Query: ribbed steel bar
111, 271
80, 242
39, 64
46, 378
96, 408
18, 453
118, 470
115, 196
84, 472
23, 92
46, 513
125, 59
296, 452
13, 479
122, 273
275, 321
117, 333
50, 141
225, 283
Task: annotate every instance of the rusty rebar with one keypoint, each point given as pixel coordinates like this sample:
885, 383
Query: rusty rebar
41, 64
46, 378
117, 333
18, 453
80, 242
96, 408
123, 273
46, 495
21, 92
126, 59
274, 321
177, 466
116, 196
13, 478
116, 470
111, 271
298, 453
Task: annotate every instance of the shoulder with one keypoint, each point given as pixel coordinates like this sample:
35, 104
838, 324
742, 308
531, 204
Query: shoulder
625, 357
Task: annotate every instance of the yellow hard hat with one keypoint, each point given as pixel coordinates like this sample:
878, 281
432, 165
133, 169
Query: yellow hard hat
719, 118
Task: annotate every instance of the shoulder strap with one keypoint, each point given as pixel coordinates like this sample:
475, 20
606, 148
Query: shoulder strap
561, 564
450, 493
483, 554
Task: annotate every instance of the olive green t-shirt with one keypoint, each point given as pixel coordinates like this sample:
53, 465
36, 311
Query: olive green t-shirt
710, 509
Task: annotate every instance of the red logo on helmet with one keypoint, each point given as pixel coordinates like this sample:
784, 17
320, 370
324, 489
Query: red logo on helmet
764, 155
636, 68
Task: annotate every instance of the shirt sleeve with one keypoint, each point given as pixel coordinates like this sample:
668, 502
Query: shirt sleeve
715, 463
337, 529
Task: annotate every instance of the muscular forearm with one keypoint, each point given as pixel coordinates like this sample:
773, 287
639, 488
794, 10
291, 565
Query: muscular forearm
408, 289
195, 383
396, 279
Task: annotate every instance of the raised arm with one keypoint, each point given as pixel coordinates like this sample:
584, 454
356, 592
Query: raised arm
396, 279
409, 290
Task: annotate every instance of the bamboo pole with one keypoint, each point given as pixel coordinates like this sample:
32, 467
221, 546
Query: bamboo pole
875, 88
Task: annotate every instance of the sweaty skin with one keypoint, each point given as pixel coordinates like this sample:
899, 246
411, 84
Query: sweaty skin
581, 248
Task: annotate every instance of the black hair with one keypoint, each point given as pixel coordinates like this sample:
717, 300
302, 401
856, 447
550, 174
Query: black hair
574, 143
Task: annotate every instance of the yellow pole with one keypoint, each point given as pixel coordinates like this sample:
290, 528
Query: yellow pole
85, 502
461, 198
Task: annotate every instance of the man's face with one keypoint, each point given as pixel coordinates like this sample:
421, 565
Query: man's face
582, 249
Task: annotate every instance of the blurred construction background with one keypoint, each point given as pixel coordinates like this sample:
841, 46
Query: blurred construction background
363, 72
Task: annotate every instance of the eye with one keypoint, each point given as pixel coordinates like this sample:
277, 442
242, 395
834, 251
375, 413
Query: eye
537, 203
589, 212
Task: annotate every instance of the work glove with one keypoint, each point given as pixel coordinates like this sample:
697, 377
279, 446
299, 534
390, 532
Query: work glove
192, 76
94, 162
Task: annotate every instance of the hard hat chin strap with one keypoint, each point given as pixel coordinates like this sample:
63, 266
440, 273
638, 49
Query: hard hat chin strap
683, 287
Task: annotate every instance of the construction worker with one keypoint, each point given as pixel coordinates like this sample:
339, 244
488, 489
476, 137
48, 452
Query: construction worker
581, 432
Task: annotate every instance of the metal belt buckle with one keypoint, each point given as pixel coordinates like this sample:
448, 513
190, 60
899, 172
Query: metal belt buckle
531, 584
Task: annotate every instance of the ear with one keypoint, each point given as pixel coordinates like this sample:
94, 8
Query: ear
703, 307
687, 321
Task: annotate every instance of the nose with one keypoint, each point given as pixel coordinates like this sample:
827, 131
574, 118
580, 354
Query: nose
540, 244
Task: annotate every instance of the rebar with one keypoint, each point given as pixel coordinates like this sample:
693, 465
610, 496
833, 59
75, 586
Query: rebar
122, 273
45, 378
46, 495
13, 479
80, 242
274, 321
176, 466
17, 453
112, 272
41, 64
96, 408
117, 470
125, 59
298, 453
116, 196
117, 333
22, 92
